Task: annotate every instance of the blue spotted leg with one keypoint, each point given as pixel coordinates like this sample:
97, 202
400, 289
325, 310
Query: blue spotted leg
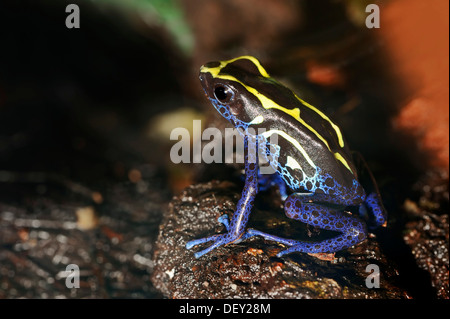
308, 208
237, 226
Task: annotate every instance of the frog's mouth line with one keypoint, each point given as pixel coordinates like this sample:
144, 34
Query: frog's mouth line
224, 110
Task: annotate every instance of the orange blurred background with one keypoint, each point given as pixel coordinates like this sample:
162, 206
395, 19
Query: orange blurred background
417, 37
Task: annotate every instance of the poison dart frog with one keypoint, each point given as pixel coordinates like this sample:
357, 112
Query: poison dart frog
311, 158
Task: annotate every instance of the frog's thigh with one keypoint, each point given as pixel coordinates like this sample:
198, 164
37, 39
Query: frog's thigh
302, 207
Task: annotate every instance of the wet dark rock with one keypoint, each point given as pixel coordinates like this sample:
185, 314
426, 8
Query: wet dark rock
251, 269
40, 235
428, 231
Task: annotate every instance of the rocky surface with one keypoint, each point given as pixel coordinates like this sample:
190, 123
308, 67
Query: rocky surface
250, 269
428, 231
45, 227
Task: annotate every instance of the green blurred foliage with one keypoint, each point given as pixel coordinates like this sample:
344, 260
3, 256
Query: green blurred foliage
167, 13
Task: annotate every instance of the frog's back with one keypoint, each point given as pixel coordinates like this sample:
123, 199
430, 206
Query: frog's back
310, 156
314, 155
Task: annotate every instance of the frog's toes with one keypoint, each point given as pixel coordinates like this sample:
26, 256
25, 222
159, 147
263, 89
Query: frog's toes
199, 241
219, 240
224, 220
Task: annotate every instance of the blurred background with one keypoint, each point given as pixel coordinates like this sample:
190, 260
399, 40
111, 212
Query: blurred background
86, 114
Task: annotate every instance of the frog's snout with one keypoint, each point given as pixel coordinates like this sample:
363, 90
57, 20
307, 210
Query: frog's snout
205, 80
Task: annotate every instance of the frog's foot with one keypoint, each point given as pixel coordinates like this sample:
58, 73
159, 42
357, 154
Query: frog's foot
323, 247
328, 246
218, 240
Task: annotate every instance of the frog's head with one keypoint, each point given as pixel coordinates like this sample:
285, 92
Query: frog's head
226, 85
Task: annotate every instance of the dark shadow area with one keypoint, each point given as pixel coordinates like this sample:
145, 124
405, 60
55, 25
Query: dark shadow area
74, 111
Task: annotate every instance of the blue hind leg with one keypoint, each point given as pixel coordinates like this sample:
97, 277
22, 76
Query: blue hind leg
315, 210
311, 209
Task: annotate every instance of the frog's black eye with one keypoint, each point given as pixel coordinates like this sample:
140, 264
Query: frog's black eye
223, 93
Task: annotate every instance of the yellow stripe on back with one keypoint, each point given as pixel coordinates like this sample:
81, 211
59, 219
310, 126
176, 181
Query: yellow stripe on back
335, 127
293, 141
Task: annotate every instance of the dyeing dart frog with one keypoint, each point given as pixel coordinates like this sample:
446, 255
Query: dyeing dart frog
311, 158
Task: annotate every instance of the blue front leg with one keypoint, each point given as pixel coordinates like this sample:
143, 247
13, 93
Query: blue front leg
236, 228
